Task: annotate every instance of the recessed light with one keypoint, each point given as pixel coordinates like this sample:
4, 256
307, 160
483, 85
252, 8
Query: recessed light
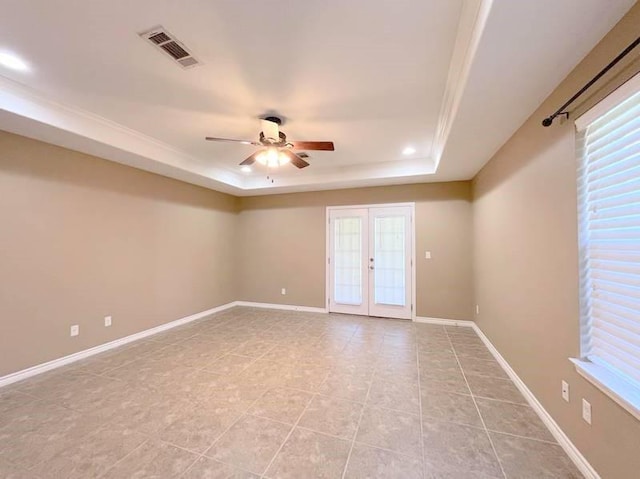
245, 169
409, 150
11, 61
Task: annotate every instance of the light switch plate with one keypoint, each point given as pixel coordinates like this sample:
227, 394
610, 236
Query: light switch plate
586, 411
427, 255
107, 321
75, 330
283, 291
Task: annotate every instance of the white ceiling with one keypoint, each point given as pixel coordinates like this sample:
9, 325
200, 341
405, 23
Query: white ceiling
452, 78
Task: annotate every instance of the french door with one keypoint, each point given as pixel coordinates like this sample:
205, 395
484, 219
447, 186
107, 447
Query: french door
370, 261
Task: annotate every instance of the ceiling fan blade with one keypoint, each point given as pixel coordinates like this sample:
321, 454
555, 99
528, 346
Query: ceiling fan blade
244, 142
250, 160
313, 145
295, 159
271, 130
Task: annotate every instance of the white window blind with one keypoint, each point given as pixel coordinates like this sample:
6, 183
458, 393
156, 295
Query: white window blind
609, 227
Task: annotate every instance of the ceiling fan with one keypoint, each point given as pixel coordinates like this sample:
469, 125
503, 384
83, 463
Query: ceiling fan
277, 149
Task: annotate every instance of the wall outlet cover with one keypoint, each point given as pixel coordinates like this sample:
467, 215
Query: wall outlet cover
107, 321
565, 391
283, 291
75, 330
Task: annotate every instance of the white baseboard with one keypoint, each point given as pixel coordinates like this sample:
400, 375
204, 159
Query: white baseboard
286, 307
445, 322
56, 363
572, 451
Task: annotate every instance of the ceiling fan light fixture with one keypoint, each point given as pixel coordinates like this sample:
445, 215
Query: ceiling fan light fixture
269, 157
283, 159
272, 158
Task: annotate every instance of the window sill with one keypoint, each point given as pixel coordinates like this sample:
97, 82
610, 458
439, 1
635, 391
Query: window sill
621, 391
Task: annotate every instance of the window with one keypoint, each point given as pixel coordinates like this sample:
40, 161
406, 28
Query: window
609, 228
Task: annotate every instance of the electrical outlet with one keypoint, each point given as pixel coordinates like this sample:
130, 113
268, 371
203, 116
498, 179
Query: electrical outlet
283, 291
75, 330
477, 309
586, 411
565, 391
107, 321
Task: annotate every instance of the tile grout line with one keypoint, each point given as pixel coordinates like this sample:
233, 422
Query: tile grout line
199, 455
104, 374
112, 466
341, 398
355, 434
486, 431
528, 438
155, 436
242, 416
424, 463
202, 455
485, 398
342, 438
266, 469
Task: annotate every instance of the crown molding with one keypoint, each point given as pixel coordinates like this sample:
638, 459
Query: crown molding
473, 20
30, 113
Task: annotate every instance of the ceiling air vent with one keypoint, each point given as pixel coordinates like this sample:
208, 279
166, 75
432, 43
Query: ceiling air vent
167, 43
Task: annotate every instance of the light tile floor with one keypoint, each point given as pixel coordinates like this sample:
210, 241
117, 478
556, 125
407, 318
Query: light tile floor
250, 393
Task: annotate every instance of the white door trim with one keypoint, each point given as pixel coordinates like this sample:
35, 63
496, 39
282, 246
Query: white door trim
327, 275
373, 205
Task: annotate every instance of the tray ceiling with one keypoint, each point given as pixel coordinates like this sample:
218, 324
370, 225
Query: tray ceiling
453, 79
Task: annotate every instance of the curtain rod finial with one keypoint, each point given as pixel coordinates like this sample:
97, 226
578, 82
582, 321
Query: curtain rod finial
547, 121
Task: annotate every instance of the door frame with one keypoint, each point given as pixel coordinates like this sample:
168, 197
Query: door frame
327, 264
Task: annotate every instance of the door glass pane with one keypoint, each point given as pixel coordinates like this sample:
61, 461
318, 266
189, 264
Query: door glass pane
389, 249
348, 260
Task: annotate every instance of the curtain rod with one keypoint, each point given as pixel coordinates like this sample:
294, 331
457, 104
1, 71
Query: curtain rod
560, 111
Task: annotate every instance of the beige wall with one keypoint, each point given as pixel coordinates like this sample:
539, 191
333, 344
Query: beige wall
283, 245
526, 267
81, 238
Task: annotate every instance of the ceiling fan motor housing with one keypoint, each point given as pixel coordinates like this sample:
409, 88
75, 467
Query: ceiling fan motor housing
274, 119
267, 141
